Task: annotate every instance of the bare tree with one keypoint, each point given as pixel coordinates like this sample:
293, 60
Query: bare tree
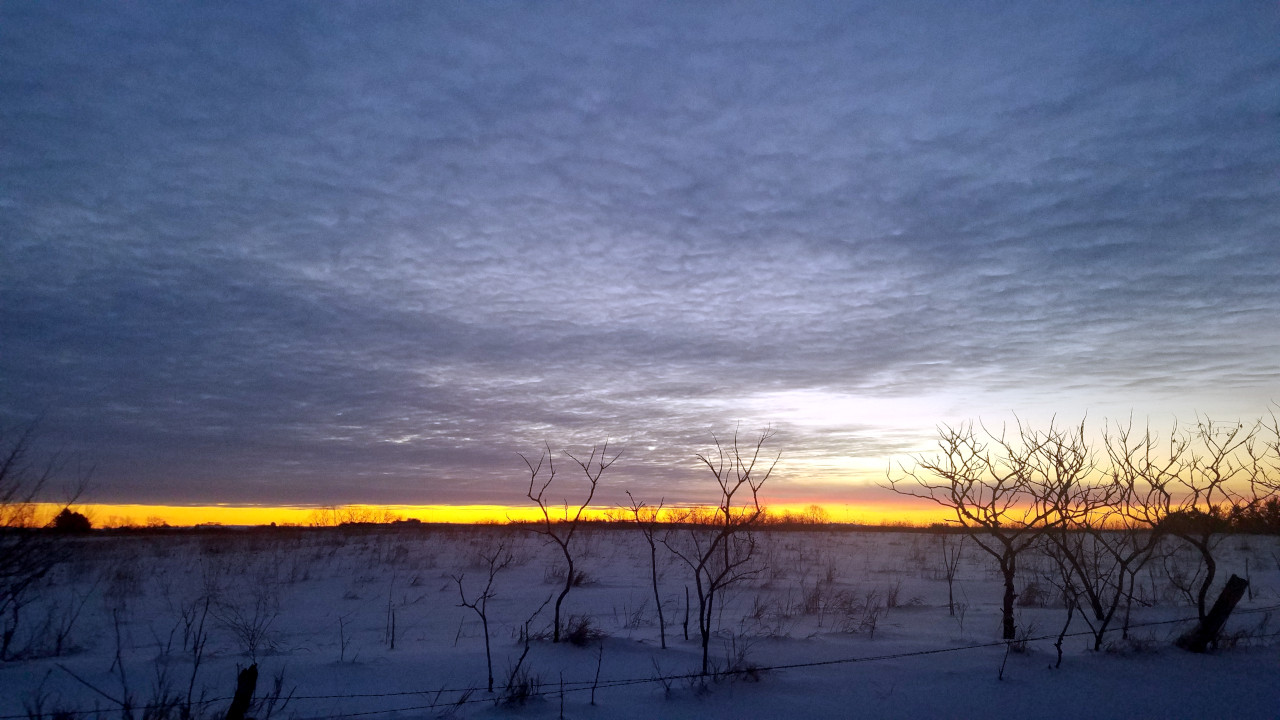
561, 531
1096, 540
1267, 456
1211, 475
496, 561
1189, 485
987, 481
26, 553
1261, 512
718, 547
647, 518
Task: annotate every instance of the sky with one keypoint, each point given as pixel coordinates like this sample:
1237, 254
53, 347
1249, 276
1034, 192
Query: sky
325, 253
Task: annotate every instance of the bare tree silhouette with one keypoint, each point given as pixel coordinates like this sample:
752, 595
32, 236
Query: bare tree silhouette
718, 548
496, 560
561, 531
647, 518
1094, 541
1190, 484
988, 481
26, 553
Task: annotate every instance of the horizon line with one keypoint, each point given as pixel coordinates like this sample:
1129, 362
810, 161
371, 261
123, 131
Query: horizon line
141, 515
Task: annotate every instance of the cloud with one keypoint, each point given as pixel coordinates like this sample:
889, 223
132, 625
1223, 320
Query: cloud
321, 253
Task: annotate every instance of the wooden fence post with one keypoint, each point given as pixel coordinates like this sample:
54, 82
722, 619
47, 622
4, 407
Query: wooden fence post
1200, 637
246, 683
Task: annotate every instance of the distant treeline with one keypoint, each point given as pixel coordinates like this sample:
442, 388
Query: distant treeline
1261, 519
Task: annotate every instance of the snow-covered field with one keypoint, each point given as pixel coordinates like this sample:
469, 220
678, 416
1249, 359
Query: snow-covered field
861, 618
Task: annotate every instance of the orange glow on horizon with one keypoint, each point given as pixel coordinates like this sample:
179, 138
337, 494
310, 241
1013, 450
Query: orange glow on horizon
138, 515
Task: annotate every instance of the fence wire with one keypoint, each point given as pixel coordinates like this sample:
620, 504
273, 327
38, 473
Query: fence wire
465, 695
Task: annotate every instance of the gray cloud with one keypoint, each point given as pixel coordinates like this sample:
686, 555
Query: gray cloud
332, 253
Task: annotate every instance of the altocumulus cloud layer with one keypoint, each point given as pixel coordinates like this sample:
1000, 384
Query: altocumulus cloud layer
325, 252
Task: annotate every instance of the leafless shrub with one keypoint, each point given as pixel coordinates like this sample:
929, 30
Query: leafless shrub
1026, 631
344, 638
581, 631
250, 617
738, 664
556, 574
891, 592
859, 613
496, 560
769, 619
661, 677
522, 683
871, 612
952, 548
811, 602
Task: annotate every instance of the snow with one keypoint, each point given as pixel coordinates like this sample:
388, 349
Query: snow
310, 592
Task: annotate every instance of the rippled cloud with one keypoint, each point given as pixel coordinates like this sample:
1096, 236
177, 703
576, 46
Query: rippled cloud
316, 253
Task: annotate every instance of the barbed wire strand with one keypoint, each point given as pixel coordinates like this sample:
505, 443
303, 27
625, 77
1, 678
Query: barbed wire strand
585, 685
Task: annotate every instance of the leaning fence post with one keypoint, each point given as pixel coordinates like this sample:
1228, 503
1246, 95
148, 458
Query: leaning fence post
1198, 638
246, 683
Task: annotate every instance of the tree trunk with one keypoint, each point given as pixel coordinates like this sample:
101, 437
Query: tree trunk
1071, 609
568, 583
704, 627
706, 652
657, 598
1206, 633
686, 613
1010, 629
1210, 571
488, 656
